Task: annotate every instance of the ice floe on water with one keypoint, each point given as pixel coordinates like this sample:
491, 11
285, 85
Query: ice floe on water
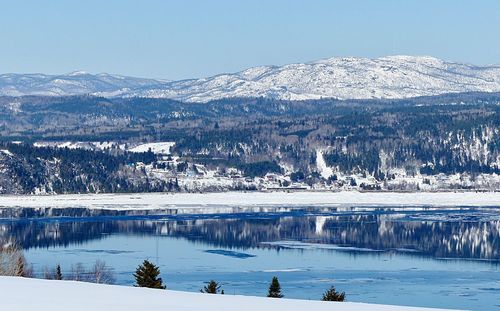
284, 270
224, 202
311, 246
229, 253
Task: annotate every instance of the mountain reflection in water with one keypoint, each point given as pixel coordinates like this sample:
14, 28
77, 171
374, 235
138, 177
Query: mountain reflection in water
463, 233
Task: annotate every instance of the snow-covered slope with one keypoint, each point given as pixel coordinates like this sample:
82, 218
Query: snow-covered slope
75, 83
21, 294
343, 78
156, 148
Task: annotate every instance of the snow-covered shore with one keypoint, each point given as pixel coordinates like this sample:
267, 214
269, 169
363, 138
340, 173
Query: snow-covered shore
200, 201
21, 294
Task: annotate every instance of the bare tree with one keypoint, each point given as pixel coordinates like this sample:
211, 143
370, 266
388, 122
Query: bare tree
13, 262
98, 273
78, 273
28, 271
101, 273
48, 274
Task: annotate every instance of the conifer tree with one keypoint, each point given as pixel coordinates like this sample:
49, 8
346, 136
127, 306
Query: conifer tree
212, 287
274, 289
58, 275
146, 275
332, 295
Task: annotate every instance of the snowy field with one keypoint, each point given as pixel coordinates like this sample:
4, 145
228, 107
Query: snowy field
156, 148
45, 295
200, 201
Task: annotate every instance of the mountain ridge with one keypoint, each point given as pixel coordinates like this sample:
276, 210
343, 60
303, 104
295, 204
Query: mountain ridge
390, 77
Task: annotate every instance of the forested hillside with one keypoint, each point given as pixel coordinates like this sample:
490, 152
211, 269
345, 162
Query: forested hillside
371, 144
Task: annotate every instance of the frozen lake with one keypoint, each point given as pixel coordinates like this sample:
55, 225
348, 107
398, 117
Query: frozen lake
433, 257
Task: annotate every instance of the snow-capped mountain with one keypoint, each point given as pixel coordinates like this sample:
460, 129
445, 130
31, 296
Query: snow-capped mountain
343, 78
74, 83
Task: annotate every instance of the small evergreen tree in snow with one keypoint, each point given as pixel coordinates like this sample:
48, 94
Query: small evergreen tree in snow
212, 287
275, 289
58, 275
332, 295
146, 275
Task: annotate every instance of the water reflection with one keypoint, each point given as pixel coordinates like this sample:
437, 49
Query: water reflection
469, 234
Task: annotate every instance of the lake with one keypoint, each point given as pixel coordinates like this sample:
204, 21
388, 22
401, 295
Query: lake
433, 257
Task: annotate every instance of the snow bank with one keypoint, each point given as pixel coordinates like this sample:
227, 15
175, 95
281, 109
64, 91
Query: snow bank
152, 201
22, 294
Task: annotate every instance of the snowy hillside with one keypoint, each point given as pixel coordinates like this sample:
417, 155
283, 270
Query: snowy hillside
343, 78
78, 82
67, 295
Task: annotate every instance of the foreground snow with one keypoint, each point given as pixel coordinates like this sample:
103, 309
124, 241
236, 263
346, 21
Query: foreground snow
67, 295
200, 201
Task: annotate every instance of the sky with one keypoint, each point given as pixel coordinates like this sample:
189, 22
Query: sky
197, 38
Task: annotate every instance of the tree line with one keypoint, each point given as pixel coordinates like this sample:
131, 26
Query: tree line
147, 275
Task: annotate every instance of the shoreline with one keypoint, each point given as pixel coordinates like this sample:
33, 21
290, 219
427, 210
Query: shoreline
200, 201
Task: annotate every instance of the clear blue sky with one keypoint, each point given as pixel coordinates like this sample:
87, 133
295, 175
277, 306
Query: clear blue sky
188, 38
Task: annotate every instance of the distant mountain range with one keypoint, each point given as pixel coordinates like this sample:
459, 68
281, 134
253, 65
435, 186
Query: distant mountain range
341, 78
